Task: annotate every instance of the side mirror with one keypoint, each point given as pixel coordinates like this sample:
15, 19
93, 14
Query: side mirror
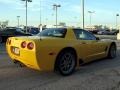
97, 38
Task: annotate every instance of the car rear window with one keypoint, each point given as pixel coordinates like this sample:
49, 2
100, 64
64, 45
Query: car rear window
53, 32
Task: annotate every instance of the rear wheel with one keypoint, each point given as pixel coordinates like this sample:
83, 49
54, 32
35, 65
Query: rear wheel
1, 40
66, 62
112, 52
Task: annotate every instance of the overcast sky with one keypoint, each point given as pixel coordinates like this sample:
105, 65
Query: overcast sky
69, 12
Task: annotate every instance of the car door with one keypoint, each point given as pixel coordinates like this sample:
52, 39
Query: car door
98, 47
89, 47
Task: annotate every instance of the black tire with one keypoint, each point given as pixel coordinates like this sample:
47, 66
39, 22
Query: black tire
66, 62
1, 39
112, 52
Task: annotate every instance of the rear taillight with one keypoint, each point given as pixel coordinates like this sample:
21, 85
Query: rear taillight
23, 44
30, 45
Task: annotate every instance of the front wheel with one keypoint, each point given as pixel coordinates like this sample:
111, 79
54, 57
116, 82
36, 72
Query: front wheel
112, 52
66, 62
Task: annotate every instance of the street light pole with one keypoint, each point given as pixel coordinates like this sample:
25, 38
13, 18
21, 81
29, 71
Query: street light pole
40, 18
26, 16
118, 34
117, 15
55, 6
26, 10
83, 14
40, 13
46, 21
91, 12
18, 20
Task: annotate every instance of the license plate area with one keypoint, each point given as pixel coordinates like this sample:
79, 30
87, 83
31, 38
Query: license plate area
15, 50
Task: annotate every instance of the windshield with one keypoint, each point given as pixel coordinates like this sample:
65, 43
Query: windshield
53, 32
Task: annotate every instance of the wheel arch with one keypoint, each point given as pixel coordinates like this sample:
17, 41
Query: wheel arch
109, 50
109, 46
113, 43
64, 49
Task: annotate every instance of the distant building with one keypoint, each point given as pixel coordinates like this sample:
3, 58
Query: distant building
62, 24
91, 28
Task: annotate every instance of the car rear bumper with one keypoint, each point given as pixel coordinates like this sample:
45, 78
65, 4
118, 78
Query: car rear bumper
36, 59
28, 58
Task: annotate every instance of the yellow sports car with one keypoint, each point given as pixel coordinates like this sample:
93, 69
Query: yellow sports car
59, 49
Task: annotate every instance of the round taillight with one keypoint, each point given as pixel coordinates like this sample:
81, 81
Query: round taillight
23, 44
30, 46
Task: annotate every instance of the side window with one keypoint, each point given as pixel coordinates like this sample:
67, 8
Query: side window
53, 32
83, 35
78, 33
89, 36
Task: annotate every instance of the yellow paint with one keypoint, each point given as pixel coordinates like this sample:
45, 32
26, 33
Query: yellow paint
39, 58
